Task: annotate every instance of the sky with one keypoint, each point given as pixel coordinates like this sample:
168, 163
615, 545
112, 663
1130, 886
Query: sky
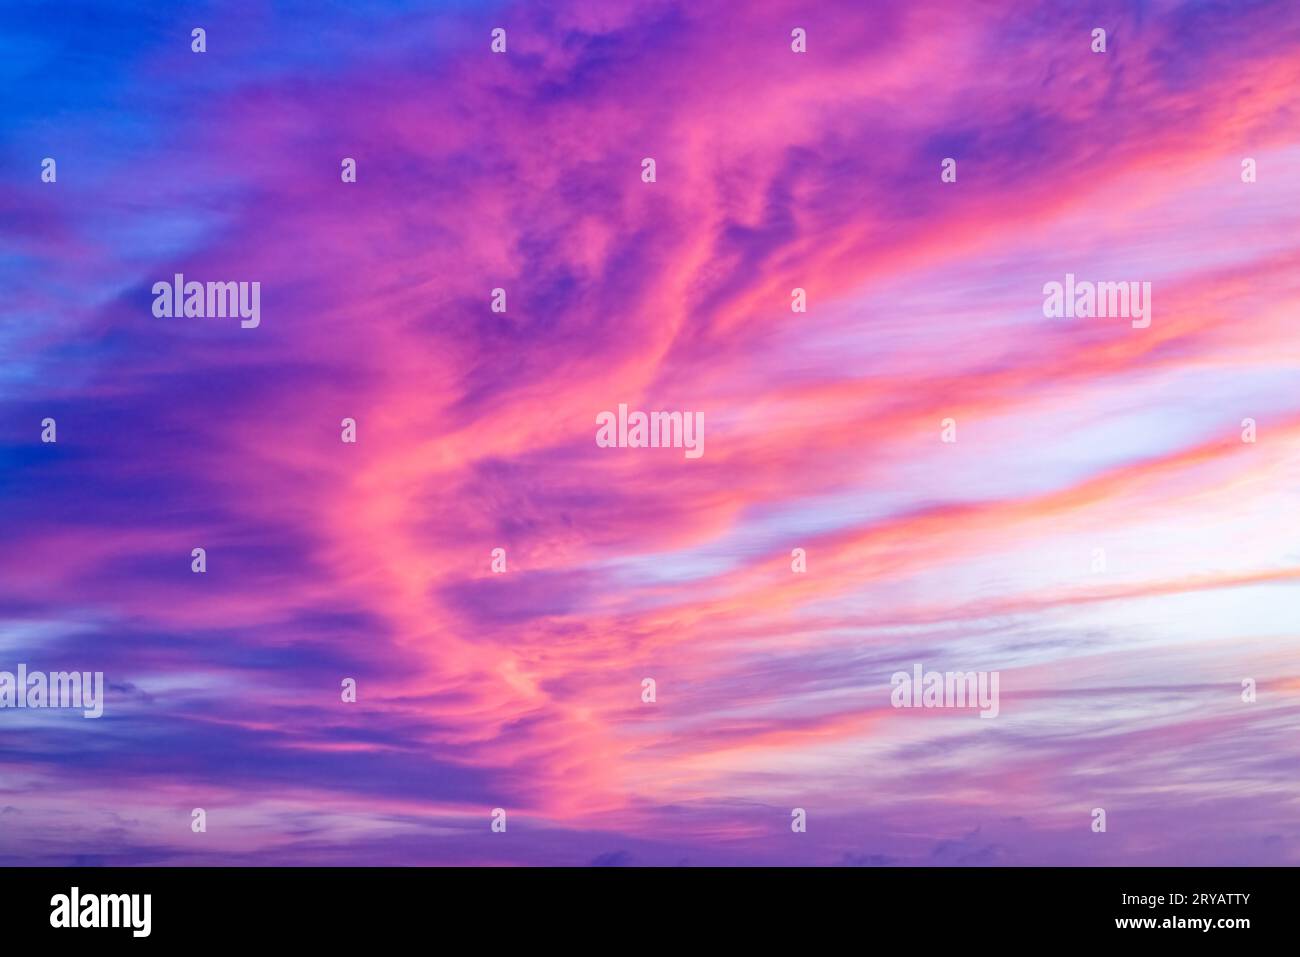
1076, 504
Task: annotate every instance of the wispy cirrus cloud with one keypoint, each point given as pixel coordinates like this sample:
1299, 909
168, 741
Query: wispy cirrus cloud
1121, 686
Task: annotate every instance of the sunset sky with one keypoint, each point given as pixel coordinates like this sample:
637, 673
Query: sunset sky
1121, 686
